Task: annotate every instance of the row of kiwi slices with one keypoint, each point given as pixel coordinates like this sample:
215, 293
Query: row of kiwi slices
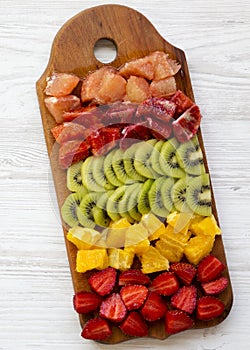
157, 176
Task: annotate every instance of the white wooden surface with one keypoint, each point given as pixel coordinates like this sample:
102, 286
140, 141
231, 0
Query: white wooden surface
35, 285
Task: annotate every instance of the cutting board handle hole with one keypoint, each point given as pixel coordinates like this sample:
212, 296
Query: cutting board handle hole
105, 50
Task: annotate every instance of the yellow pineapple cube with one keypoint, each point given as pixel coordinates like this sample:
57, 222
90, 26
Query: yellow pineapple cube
154, 226
170, 248
153, 261
141, 247
121, 259
115, 237
180, 221
207, 226
122, 223
91, 259
180, 236
135, 234
198, 247
83, 238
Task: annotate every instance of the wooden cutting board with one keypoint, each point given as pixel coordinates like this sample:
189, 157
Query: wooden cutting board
73, 52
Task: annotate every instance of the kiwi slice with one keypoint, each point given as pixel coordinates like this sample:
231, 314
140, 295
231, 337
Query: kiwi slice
155, 157
190, 157
128, 161
142, 160
166, 189
69, 209
85, 210
119, 169
113, 203
168, 160
101, 217
103, 199
133, 203
109, 170
199, 195
143, 201
88, 178
123, 206
99, 173
74, 178
155, 198
179, 193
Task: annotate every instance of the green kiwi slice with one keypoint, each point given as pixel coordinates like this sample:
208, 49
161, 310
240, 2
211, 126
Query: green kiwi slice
168, 160
109, 170
85, 210
155, 157
88, 178
74, 178
99, 173
133, 203
190, 157
103, 199
143, 201
113, 203
123, 206
166, 189
128, 161
155, 198
179, 193
69, 209
119, 169
199, 195
142, 160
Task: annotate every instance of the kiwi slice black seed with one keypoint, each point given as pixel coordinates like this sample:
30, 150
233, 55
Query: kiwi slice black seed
109, 170
143, 201
85, 210
166, 189
142, 160
103, 199
179, 193
190, 157
128, 161
155, 198
113, 203
155, 157
74, 178
99, 174
133, 203
199, 195
101, 217
69, 209
88, 178
168, 160
119, 169
123, 206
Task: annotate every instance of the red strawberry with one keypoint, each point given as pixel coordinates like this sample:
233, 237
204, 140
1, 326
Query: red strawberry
154, 307
134, 296
209, 268
113, 308
185, 299
216, 286
182, 102
177, 321
103, 282
133, 276
134, 325
165, 284
209, 308
187, 125
96, 329
184, 271
85, 302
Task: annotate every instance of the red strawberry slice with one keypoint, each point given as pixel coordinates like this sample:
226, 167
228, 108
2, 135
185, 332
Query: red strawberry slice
69, 131
185, 272
96, 329
154, 307
177, 321
103, 282
85, 302
72, 152
113, 308
182, 102
165, 284
134, 325
155, 107
215, 287
133, 276
185, 299
187, 125
134, 296
209, 307
209, 268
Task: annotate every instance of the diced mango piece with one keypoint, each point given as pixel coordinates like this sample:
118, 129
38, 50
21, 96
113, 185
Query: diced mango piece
154, 226
122, 223
153, 261
198, 247
181, 236
207, 226
83, 238
141, 247
121, 259
91, 259
135, 234
180, 221
170, 248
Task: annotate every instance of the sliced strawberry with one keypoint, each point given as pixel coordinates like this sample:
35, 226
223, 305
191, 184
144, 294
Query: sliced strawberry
209, 268
134, 296
185, 299
154, 107
187, 125
85, 302
133, 276
215, 287
58, 105
209, 307
96, 329
177, 321
134, 325
154, 307
72, 152
185, 272
182, 102
113, 308
69, 131
165, 284
134, 133
103, 282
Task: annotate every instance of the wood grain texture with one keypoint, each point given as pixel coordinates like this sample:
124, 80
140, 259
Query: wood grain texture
36, 289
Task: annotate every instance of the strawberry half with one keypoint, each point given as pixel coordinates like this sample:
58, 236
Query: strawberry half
165, 284
134, 325
134, 296
185, 299
177, 321
209, 308
85, 302
103, 282
209, 268
185, 272
96, 329
215, 287
113, 308
133, 276
154, 307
